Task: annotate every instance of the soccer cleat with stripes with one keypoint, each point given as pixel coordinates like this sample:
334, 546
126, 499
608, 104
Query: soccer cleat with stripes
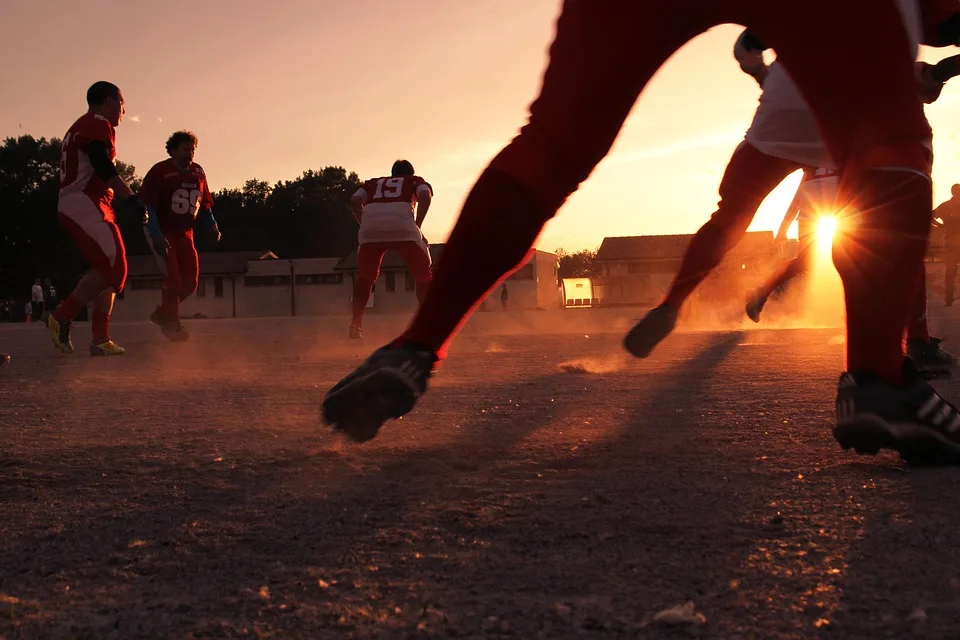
386, 386
913, 420
755, 303
106, 348
651, 330
60, 334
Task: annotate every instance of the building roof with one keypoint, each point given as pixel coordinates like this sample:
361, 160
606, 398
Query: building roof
391, 260
671, 247
226, 263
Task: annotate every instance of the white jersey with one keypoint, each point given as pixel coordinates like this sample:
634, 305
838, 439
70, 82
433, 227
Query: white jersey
783, 125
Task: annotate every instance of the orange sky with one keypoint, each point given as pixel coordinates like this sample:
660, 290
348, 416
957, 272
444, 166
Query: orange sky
277, 87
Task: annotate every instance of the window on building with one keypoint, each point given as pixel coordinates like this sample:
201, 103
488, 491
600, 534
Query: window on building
390, 283
218, 287
202, 288
409, 283
266, 281
319, 278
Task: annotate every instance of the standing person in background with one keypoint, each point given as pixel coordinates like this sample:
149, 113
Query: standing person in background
36, 301
947, 217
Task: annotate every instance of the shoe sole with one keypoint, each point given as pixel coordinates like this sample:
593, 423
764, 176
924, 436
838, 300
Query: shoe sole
360, 408
868, 434
640, 345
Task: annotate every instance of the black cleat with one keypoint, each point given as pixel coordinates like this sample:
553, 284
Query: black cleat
386, 386
930, 357
912, 420
755, 305
651, 330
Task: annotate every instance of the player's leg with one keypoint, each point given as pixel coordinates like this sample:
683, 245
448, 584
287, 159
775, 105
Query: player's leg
102, 306
750, 176
787, 271
416, 255
100, 245
369, 258
168, 313
187, 265
874, 126
603, 54
926, 351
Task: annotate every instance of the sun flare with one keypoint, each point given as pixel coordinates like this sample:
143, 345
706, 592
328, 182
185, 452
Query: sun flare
826, 228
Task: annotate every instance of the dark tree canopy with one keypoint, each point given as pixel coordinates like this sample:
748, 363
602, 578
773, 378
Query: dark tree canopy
581, 264
308, 216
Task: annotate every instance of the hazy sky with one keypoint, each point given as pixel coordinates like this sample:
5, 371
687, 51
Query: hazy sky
277, 87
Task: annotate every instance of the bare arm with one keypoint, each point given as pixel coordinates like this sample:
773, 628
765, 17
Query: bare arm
356, 205
423, 205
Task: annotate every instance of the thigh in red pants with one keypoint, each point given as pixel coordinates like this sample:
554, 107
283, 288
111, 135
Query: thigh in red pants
183, 274
416, 255
604, 53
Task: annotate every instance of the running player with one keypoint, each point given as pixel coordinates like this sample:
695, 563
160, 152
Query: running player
175, 191
604, 53
89, 187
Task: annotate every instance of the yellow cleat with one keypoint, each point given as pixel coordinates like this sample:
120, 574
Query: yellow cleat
108, 348
60, 334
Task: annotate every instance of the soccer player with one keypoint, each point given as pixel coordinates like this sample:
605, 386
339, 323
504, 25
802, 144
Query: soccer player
89, 187
390, 211
817, 194
176, 192
604, 53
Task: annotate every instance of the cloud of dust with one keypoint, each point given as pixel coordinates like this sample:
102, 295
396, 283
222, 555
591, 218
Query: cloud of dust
610, 364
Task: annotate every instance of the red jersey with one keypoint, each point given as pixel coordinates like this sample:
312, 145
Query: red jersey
390, 207
176, 195
76, 172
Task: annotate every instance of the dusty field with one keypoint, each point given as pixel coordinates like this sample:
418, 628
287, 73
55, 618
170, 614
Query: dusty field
545, 488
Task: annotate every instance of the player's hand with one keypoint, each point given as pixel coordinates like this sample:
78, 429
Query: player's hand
214, 234
135, 206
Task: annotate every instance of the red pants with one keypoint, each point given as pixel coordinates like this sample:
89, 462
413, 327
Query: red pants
182, 265
416, 254
605, 52
92, 227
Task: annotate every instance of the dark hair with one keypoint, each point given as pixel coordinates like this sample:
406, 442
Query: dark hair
100, 91
402, 168
178, 138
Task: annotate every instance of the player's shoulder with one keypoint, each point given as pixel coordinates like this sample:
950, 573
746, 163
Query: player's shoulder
160, 167
93, 126
419, 181
198, 170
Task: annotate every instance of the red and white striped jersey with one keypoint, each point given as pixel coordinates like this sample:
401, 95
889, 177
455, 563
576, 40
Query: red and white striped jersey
390, 207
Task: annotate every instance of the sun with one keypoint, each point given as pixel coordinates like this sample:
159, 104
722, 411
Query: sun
826, 228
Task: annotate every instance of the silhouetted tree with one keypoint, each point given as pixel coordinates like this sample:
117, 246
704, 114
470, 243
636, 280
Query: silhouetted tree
581, 264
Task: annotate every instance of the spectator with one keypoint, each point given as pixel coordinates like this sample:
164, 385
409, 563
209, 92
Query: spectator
36, 301
504, 296
947, 217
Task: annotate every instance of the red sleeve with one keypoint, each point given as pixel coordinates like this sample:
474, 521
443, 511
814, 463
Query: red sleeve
206, 198
150, 187
93, 129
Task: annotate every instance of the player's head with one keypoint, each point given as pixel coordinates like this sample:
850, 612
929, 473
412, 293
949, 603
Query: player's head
106, 99
181, 146
401, 168
955, 190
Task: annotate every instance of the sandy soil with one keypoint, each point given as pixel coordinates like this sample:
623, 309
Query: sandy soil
545, 488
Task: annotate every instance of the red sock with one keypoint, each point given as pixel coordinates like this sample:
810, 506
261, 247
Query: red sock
68, 309
917, 328
500, 221
100, 326
170, 309
879, 256
361, 294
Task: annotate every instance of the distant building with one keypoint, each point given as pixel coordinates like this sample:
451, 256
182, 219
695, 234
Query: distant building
639, 269
219, 293
535, 285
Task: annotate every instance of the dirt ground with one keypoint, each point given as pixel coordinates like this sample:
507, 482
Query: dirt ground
546, 487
